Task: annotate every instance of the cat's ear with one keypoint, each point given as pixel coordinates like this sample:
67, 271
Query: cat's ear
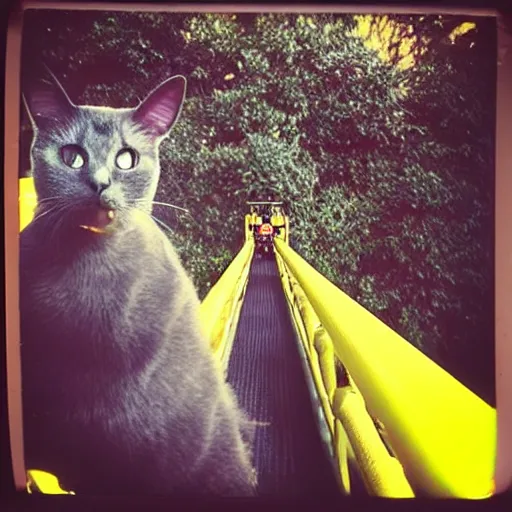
161, 108
46, 100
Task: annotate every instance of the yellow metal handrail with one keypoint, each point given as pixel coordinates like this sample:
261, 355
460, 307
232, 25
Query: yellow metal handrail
220, 308
28, 201
443, 434
355, 439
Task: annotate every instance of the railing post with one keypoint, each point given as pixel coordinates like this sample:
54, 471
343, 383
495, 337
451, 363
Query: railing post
311, 322
383, 475
341, 449
325, 350
248, 220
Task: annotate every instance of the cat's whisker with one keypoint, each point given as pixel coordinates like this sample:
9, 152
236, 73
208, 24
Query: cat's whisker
55, 230
57, 223
171, 206
46, 212
160, 203
157, 220
48, 199
161, 223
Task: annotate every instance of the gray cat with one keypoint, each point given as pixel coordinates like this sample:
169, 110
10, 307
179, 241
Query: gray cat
121, 393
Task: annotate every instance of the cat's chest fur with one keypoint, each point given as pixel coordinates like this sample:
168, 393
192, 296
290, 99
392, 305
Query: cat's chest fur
99, 328
131, 273
114, 307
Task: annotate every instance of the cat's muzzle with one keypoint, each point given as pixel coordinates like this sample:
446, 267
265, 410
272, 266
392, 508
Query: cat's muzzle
102, 222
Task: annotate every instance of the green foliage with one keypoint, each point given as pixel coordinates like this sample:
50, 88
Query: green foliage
389, 192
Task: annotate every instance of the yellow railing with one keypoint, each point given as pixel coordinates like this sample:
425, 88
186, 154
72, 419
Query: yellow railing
355, 439
28, 201
443, 434
43, 482
220, 309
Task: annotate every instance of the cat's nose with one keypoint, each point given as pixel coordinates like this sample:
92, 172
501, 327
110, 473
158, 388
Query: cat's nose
101, 187
100, 181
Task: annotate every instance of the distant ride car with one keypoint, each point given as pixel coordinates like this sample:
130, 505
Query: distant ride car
265, 226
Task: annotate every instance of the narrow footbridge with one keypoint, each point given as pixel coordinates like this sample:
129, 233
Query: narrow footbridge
345, 405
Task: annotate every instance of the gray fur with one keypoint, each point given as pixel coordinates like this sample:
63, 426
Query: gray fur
121, 392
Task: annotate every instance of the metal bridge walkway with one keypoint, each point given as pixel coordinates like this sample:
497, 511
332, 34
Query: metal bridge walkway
266, 372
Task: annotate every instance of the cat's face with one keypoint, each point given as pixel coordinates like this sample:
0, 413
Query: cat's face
93, 164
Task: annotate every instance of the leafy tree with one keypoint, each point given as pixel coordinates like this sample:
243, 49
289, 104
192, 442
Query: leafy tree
374, 130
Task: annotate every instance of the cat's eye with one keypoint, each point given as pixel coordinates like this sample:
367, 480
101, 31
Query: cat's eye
126, 159
73, 156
